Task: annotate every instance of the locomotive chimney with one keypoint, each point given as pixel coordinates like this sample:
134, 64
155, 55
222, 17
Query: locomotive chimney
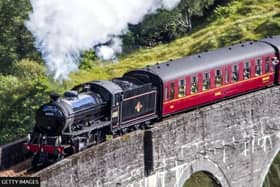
54, 97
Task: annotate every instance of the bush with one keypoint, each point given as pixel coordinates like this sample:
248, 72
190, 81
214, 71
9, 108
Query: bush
20, 96
269, 27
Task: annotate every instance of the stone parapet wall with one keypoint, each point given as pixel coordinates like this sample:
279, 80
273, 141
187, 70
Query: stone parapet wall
12, 153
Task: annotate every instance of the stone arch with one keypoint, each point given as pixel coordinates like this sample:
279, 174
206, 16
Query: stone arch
270, 158
204, 165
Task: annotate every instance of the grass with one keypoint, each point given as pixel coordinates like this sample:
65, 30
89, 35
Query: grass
235, 22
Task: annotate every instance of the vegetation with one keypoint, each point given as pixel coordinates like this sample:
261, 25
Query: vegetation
201, 179
192, 27
234, 22
20, 94
273, 176
165, 26
16, 42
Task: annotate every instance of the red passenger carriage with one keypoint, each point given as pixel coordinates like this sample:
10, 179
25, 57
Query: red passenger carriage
210, 76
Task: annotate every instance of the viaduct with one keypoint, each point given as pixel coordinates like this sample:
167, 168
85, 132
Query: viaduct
234, 140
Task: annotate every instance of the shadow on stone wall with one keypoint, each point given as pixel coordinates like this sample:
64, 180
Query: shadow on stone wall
202, 179
272, 178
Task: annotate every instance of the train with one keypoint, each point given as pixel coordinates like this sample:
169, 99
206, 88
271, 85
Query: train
93, 111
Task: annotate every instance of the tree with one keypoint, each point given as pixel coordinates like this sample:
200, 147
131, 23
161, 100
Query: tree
16, 42
157, 28
20, 96
191, 8
165, 25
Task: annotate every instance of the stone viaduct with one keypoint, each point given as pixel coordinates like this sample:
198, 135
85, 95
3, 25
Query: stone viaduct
234, 140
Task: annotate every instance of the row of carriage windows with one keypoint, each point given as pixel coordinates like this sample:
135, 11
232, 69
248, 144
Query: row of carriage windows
235, 77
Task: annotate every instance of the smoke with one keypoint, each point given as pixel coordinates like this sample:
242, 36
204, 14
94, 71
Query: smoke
64, 29
108, 52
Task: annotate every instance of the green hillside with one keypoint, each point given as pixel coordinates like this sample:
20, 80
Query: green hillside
237, 21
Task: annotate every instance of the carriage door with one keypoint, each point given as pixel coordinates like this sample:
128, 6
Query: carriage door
115, 112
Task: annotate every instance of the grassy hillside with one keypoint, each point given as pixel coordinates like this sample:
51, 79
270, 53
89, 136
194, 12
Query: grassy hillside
237, 21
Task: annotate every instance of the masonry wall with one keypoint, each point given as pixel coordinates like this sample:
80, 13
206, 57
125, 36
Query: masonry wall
234, 140
12, 153
115, 163
238, 137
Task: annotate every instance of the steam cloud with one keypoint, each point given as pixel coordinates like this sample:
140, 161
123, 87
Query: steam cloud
63, 29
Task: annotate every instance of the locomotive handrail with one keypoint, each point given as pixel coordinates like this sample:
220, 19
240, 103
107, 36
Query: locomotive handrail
87, 129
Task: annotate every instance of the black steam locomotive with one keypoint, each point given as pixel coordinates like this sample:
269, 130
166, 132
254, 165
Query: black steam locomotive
85, 115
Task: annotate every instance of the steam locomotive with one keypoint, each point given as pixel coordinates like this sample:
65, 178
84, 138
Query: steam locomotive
85, 115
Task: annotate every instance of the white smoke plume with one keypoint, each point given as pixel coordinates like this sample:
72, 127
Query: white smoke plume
108, 52
64, 29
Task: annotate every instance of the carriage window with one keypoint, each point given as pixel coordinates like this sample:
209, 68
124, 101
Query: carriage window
246, 72
182, 88
206, 82
266, 67
267, 59
258, 67
218, 78
227, 77
194, 87
172, 90
235, 73
166, 94
267, 62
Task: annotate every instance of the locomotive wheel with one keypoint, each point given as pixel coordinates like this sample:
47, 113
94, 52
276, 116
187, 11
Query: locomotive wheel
74, 149
35, 161
148, 124
99, 137
89, 139
142, 126
124, 130
136, 127
59, 157
115, 135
